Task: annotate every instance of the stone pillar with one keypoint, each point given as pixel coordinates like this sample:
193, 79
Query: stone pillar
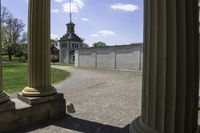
140, 58
171, 68
39, 77
3, 96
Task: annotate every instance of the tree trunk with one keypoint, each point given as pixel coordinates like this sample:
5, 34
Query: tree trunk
10, 56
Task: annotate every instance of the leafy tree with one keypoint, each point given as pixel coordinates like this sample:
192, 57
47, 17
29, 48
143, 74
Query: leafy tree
54, 51
12, 30
15, 28
22, 47
23, 38
84, 45
54, 42
5, 14
99, 44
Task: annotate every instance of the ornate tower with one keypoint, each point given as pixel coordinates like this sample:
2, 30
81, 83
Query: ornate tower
70, 25
69, 42
70, 28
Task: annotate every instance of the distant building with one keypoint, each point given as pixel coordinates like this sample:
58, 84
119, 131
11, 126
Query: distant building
69, 43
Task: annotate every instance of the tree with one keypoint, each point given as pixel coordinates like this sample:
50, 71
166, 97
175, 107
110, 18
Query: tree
15, 28
12, 29
99, 44
53, 42
23, 38
22, 47
84, 45
5, 14
54, 50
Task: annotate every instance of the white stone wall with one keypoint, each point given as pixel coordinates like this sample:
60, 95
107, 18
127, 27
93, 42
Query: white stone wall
105, 58
127, 58
86, 58
118, 57
76, 59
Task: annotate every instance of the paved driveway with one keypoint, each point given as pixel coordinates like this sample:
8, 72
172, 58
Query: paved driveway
106, 101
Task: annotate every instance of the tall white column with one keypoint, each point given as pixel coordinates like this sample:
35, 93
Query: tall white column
39, 77
171, 68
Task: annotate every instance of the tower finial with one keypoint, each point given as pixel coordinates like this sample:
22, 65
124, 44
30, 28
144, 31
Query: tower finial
70, 10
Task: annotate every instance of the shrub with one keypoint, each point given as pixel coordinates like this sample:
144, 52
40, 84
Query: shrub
22, 60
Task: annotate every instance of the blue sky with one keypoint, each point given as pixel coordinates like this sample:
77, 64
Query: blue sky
111, 21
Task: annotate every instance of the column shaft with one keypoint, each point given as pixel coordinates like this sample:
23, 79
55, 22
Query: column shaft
3, 96
171, 68
39, 78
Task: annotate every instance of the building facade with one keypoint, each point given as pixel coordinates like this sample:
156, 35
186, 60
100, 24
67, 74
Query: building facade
68, 44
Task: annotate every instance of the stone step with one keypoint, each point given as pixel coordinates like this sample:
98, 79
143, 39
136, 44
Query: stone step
20, 104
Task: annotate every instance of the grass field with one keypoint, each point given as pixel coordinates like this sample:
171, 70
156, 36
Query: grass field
14, 59
15, 77
58, 64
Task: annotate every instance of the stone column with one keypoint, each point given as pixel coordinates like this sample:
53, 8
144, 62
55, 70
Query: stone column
3, 96
140, 58
171, 68
39, 78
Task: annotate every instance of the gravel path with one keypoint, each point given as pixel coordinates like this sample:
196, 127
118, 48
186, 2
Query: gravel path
105, 101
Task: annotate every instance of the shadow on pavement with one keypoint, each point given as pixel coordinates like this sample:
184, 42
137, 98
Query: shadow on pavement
80, 125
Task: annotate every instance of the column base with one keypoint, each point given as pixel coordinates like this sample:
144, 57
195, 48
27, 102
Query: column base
198, 130
38, 92
138, 126
7, 106
32, 111
4, 97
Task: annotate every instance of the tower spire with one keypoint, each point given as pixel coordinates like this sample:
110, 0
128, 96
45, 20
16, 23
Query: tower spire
70, 10
70, 25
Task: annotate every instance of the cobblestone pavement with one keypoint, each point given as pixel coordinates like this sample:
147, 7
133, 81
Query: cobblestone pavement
106, 101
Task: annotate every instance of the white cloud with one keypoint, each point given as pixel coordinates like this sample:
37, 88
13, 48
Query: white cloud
76, 5
55, 10
53, 36
95, 35
103, 33
106, 33
85, 19
59, 1
66, 7
79, 3
125, 7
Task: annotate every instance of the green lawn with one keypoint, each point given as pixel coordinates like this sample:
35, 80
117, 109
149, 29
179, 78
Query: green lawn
63, 64
14, 59
15, 77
